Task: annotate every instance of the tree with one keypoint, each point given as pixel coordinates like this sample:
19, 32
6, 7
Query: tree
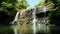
55, 12
9, 6
22, 4
41, 3
8, 9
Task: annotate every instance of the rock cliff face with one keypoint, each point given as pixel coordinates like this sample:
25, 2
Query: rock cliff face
25, 17
25, 20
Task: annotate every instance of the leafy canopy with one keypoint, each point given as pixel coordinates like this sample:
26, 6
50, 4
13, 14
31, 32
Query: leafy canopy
41, 3
9, 6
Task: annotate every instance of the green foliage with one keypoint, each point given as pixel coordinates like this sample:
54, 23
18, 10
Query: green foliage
58, 0
54, 14
56, 5
41, 3
8, 9
9, 6
22, 4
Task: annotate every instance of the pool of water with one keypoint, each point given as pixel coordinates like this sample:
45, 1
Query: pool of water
9, 30
6, 30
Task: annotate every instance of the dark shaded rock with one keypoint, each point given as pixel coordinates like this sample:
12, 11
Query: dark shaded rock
42, 14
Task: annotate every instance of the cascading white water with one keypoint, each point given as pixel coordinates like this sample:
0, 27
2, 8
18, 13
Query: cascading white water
15, 19
34, 21
14, 27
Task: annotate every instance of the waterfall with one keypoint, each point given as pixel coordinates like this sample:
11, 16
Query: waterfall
34, 20
15, 19
41, 26
14, 27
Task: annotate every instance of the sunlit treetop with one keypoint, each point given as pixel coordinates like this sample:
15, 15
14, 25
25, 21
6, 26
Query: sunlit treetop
22, 4
41, 3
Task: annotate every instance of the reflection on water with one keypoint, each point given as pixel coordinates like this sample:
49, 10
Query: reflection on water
6, 30
28, 30
14, 27
25, 29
